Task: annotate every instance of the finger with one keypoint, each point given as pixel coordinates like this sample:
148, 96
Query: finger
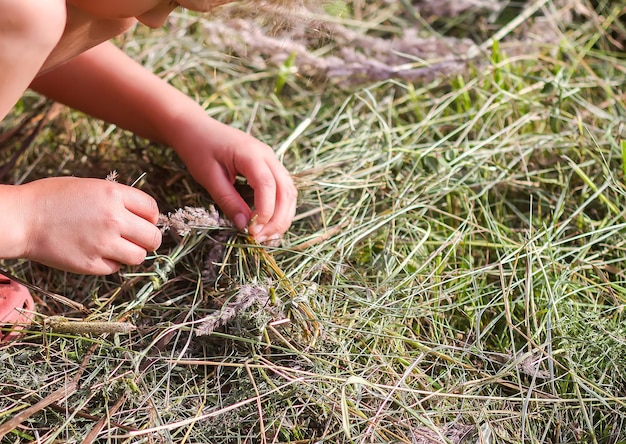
141, 232
263, 183
220, 187
285, 208
126, 252
141, 204
99, 267
105, 267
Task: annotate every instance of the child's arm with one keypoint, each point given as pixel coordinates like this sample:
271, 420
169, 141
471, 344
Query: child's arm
80, 225
106, 83
29, 29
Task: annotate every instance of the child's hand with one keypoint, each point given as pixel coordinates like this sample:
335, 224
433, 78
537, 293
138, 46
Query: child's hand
106, 83
88, 226
216, 153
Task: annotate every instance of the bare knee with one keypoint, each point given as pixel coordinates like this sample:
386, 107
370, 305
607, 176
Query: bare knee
36, 24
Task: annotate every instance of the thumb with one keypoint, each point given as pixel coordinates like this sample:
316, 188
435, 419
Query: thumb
228, 199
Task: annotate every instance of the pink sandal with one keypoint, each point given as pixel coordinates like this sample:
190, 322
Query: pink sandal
16, 307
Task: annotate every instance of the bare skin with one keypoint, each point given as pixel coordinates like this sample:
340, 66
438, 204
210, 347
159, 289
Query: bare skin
92, 226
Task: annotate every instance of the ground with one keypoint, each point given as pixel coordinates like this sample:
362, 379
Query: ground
455, 270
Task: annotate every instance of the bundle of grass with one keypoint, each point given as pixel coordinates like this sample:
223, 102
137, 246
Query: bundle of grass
459, 244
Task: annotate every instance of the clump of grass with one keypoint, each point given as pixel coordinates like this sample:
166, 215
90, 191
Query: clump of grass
454, 274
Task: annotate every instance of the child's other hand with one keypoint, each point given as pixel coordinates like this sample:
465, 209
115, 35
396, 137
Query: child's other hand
216, 153
88, 226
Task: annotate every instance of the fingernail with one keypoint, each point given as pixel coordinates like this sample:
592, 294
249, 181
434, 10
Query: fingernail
240, 221
256, 229
260, 239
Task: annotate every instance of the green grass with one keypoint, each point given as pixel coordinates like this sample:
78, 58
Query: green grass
459, 242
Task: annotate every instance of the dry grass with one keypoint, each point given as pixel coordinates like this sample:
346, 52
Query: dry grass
455, 272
